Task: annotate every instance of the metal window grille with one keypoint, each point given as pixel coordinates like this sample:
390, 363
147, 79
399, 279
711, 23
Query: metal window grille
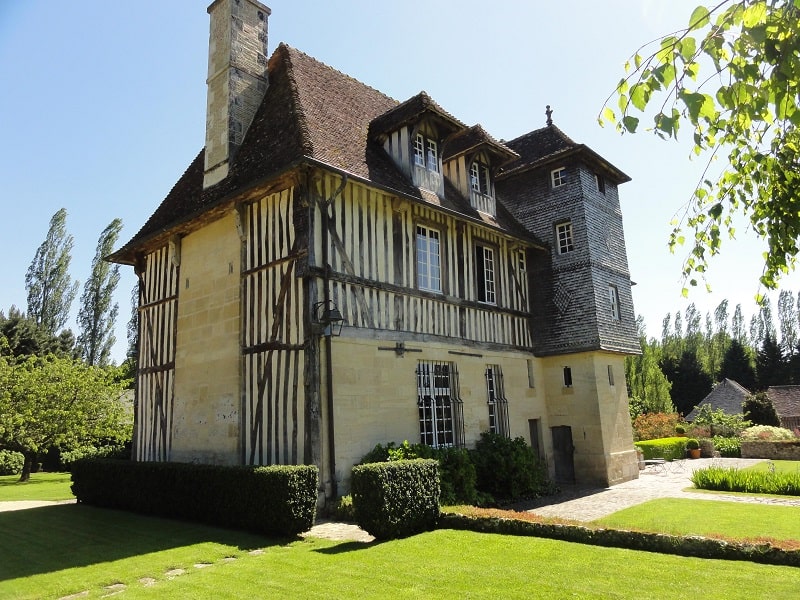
441, 422
498, 404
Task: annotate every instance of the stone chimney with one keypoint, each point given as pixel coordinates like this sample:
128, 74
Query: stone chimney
237, 79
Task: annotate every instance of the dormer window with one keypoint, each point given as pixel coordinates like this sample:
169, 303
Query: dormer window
479, 178
426, 153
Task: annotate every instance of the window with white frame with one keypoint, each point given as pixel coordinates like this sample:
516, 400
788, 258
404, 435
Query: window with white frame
485, 272
601, 183
479, 178
564, 237
613, 298
429, 266
441, 423
558, 177
497, 402
426, 153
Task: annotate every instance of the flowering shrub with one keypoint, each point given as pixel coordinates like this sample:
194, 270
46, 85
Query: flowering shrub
765, 433
651, 426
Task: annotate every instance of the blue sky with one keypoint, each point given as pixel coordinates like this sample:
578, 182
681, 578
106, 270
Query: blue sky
102, 107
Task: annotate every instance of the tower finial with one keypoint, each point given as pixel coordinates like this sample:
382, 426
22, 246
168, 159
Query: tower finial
549, 114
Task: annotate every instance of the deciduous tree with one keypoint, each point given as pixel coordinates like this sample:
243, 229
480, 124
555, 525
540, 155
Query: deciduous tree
48, 283
98, 312
733, 76
52, 401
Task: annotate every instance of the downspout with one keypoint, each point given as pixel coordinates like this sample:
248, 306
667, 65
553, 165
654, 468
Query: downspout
326, 296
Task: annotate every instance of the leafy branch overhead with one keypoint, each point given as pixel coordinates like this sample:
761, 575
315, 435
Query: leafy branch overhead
733, 76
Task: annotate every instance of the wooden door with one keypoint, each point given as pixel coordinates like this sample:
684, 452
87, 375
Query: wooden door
563, 451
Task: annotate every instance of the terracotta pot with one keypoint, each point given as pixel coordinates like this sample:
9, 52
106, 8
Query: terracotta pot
694, 453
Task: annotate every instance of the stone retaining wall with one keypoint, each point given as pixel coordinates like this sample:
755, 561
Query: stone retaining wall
771, 450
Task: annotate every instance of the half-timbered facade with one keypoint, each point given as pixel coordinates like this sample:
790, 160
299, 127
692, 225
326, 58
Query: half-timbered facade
336, 269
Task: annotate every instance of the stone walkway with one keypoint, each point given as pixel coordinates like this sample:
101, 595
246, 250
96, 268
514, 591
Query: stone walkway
579, 503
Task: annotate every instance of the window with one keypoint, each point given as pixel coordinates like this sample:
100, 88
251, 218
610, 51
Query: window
441, 423
426, 153
429, 271
613, 297
484, 269
479, 178
601, 183
567, 377
558, 177
564, 235
610, 375
531, 380
498, 405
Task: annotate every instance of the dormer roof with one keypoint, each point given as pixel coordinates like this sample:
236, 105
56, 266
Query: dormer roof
413, 111
475, 139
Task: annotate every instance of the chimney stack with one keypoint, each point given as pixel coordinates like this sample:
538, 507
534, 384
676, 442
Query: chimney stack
237, 79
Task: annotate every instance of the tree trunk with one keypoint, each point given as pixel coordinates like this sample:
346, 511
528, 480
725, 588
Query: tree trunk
27, 467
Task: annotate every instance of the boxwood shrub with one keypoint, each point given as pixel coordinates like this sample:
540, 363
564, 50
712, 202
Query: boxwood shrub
668, 448
396, 499
11, 462
272, 500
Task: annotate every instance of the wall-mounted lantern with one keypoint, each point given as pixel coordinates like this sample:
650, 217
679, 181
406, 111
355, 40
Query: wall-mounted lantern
327, 320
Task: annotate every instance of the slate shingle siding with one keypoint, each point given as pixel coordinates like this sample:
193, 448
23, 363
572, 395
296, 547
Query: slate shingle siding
571, 307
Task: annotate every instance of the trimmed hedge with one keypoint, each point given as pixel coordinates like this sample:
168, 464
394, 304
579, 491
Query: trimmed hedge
668, 448
396, 499
278, 500
700, 547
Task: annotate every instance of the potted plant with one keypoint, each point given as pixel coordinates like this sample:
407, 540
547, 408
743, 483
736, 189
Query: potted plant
680, 430
693, 446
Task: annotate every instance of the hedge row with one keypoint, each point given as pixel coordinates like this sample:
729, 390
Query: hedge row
272, 500
396, 499
668, 448
699, 547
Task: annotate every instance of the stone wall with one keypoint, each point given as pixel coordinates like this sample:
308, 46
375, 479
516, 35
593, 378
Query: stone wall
771, 450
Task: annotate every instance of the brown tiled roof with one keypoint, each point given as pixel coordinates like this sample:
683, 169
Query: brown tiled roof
548, 144
410, 111
314, 113
473, 138
727, 395
785, 399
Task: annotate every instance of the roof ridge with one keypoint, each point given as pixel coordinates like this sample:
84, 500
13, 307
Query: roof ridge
297, 108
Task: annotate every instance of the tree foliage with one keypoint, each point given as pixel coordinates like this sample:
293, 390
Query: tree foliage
51, 401
98, 312
25, 337
48, 283
733, 76
758, 409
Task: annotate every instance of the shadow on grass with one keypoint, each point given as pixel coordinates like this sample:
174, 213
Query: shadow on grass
347, 547
52, 538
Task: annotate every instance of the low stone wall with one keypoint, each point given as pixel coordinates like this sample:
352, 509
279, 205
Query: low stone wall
771, 450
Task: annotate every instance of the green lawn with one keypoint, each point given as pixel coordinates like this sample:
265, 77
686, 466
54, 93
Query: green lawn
67, 549
42, 486
781, 466
733, 520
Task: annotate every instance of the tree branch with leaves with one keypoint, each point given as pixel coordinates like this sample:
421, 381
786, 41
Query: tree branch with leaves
733, 76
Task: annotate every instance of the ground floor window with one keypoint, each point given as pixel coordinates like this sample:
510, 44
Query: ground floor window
498, 405
441, 423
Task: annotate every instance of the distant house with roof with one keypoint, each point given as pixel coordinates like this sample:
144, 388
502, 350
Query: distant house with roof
727, 396
786, 401
337, 269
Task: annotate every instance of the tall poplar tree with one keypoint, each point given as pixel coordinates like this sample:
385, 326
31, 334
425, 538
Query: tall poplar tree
48, 283
98, 311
